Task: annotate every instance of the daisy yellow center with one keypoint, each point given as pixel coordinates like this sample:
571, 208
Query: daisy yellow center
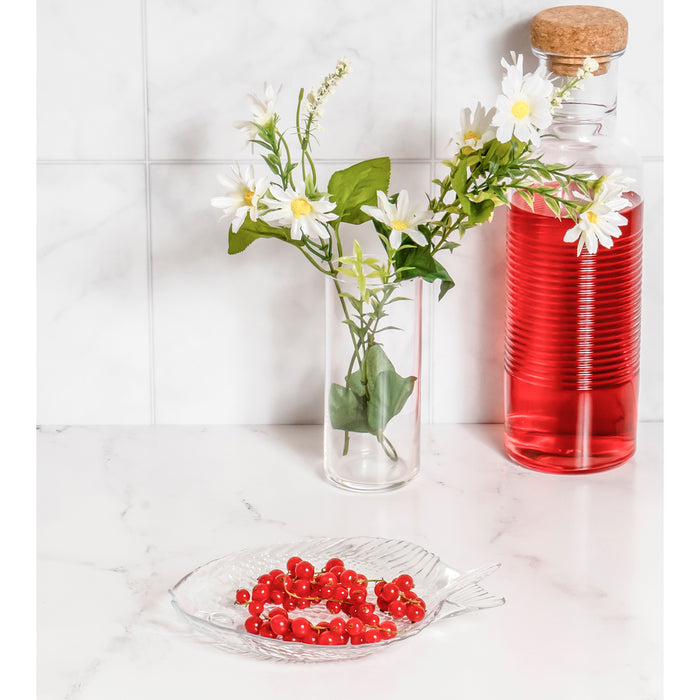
399, 225
592, 217
248, 197
300, 207
471, 135
520, 109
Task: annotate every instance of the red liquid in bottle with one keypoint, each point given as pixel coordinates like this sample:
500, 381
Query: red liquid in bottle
572, 343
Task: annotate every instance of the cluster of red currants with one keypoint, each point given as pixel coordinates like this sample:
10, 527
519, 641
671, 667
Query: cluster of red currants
341, 590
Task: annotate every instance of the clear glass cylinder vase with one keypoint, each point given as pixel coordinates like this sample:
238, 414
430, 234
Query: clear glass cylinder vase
372, 383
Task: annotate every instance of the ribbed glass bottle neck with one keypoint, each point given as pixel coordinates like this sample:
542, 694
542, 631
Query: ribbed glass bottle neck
591, 109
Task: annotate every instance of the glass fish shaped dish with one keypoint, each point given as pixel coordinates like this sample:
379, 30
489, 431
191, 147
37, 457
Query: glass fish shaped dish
206, 597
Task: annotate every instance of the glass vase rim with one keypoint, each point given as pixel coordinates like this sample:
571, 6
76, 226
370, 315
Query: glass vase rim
371, 282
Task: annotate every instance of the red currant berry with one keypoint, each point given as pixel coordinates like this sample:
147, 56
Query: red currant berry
371, 636
328, 638
358, 638
260, 592
291, 564
397, 609
289, 604
325, 592
279, 624
365, 611
276, 597
304, 569
390, 592
378, 587
357, 595
255, 607
334, 606
415, 613
303, 603
253, 625
373, 620
289, 637
337, 625
334, 562
310, 637
275, 573
301, 627
404, 582
302, 587
277, 611
340, 593
354, 626
383, 605
347, 578
265, 578
242, 596
336, 571
327, 579
388, 629
266, 630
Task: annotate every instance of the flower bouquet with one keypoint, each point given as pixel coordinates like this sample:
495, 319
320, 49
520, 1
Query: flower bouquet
493, 159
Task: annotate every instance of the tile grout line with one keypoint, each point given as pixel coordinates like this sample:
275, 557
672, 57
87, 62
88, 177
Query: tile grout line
149, 228
433, 121
226, 161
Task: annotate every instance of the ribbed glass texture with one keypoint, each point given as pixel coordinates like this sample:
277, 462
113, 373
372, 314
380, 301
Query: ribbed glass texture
572, 343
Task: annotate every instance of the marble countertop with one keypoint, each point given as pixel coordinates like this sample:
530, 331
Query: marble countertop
124, 512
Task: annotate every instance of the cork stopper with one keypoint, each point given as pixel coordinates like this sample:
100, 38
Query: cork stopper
572, 32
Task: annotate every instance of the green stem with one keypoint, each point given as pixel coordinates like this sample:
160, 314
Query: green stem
314, 263
286, 181
389, 449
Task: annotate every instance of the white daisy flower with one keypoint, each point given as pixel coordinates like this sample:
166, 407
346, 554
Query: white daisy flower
243, 196
263, 111
600, 222
303, 216
476, 128
401, 218
524, 108
612, 188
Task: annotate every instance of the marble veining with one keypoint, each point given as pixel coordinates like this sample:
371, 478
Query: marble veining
124, 512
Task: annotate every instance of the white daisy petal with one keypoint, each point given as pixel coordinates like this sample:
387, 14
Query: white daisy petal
395, 239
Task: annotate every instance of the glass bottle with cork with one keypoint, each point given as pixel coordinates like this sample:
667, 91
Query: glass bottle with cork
573, 320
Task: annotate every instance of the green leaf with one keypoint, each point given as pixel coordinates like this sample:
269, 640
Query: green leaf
459, 179
422, 264
374, 363
357, 385
391, 391
347, 411
387, 390
479, 212
357, 186
252, 230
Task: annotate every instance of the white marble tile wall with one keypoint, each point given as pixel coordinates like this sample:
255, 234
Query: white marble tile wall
143, 317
